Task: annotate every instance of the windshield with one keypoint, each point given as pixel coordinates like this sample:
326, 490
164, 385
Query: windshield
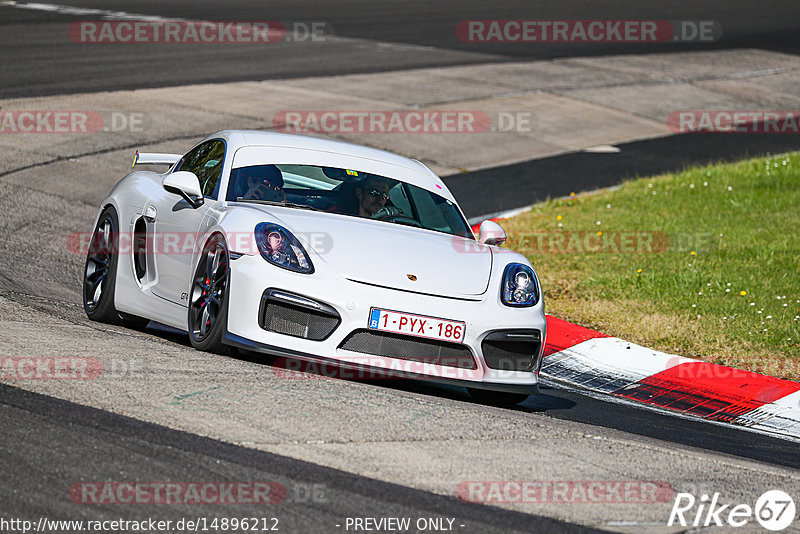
347, 192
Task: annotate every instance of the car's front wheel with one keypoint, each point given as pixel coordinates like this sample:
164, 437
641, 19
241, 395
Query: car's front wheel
496, 398
208, 298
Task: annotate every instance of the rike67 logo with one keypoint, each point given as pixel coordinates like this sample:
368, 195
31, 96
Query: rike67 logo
774, 510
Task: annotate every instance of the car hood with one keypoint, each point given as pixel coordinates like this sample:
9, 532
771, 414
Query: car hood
392, 255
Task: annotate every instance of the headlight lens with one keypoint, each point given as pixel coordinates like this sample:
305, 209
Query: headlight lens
282, 249
519, 288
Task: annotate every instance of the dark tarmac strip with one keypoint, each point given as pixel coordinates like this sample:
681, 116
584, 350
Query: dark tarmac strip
50, 444
38, 57
489, 191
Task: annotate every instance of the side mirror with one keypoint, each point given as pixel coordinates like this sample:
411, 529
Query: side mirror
185, 184
491, 233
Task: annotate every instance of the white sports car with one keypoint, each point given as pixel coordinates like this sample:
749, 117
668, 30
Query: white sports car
317, 250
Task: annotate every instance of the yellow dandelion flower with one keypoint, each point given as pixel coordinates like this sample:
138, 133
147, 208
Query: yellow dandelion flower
559, 217
693, 253
599, 233
638, 270
743, 293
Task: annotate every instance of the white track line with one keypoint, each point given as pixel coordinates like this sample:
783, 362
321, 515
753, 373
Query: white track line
104, 14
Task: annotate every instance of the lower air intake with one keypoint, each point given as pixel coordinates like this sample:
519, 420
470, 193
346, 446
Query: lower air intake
512, 350
298, 321
409, 348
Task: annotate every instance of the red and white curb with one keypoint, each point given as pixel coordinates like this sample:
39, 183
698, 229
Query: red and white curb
587, 359
590, 360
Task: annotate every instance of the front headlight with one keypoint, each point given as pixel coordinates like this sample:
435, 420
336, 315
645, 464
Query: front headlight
520, 287
282, 249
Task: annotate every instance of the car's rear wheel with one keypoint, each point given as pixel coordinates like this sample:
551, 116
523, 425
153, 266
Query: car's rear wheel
208, 299
496, 398
100, 272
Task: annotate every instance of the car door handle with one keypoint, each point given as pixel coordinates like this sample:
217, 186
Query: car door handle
150, 213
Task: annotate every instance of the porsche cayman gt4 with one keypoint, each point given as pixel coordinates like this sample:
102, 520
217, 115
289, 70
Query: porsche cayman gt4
318, 251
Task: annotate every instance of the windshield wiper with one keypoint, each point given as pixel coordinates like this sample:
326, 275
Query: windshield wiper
281, 203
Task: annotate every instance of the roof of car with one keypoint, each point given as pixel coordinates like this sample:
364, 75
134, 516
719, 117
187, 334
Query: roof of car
275, 139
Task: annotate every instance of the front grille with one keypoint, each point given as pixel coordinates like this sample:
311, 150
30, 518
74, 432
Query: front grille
507, 351
414, 349
298, 321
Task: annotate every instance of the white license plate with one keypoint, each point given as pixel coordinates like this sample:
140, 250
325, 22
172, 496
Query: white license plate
416, 325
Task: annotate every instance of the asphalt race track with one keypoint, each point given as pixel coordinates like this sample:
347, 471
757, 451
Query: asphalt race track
372, 449
150, 452
38, 59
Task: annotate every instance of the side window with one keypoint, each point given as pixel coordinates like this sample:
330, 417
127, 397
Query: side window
431, 208
206, 161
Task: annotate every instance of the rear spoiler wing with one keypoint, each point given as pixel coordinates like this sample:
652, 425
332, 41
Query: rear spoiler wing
145, 158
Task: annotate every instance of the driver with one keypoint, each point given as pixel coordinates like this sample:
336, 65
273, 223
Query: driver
372, 195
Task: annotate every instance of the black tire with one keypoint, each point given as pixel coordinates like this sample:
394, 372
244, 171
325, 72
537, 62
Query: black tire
100, 271
208, 298
496, 398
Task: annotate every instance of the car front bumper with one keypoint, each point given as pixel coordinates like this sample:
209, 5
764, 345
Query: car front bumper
351, 301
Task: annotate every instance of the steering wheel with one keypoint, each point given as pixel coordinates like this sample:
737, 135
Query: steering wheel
395, 214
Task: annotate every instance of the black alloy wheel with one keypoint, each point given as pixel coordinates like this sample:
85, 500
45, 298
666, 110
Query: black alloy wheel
208, 299
100, 272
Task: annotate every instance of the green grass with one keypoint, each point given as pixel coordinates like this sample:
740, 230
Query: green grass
716, 232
